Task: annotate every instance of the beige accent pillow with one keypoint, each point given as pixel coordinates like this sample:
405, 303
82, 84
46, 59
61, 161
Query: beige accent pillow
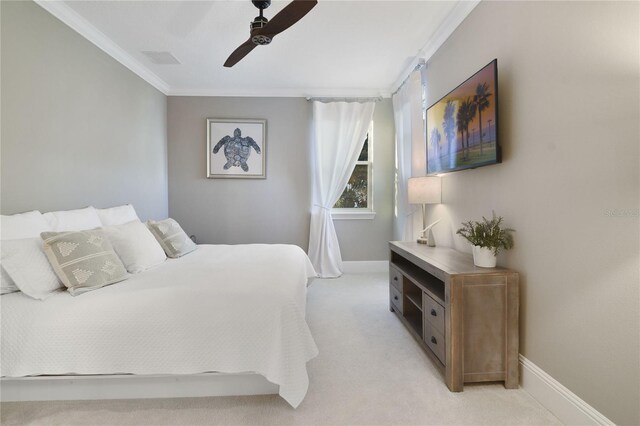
174, 241
83, 260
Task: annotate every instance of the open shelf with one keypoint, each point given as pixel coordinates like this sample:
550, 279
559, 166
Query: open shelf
416, 299
424, 280
414, 320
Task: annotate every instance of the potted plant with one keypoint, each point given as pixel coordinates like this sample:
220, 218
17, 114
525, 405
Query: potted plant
488, 238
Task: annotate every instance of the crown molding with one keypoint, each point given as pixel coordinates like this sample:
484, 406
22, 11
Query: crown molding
76, 22
283, 93
459, 12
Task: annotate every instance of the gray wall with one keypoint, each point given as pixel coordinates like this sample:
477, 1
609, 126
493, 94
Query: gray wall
235, 211
272, 210
569, 85
78, 128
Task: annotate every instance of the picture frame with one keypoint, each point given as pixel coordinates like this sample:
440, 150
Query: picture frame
236, 148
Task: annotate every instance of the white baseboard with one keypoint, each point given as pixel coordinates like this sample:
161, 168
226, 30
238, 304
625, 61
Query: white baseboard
364, 266
61, 388
564, 404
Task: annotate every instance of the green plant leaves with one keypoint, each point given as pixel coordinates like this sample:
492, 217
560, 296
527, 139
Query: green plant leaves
488, 233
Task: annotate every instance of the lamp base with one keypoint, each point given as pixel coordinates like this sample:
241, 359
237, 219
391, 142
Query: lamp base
428, 239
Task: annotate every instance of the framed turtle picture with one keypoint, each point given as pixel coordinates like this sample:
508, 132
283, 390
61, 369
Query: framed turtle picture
236, 148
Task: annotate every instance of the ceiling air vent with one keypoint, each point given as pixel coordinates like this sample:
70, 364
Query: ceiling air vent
162, 58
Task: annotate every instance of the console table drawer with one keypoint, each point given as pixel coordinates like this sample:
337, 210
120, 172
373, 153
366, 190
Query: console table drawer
433, 313
395, 278
435, 341
396, 298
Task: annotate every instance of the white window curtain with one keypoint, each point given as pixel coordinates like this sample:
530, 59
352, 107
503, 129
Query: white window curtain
338, 133
407, 112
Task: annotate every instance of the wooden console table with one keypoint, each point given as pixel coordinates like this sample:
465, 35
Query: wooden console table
465, 317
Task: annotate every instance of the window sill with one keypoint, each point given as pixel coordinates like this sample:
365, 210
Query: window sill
345, 214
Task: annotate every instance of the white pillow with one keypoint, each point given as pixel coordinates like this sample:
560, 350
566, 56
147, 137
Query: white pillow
135, 245
73, 220
25, 262
6, 283
117, 215
22, 225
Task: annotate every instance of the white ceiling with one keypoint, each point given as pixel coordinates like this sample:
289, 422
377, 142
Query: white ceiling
341, 48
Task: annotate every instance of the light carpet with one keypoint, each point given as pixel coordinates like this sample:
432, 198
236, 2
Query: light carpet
369, 371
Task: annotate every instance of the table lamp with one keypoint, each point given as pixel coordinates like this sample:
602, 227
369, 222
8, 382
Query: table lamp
425, 190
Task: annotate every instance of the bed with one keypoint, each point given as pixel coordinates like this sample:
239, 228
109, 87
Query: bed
222, 309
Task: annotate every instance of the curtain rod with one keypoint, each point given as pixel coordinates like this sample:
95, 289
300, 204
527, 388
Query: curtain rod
421, 63
321, 99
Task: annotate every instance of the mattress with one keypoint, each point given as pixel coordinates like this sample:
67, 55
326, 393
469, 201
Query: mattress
222, 308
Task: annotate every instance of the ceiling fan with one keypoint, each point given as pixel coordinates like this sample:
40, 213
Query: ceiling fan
263, 30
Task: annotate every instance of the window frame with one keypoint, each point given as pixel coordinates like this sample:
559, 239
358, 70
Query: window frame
362, 213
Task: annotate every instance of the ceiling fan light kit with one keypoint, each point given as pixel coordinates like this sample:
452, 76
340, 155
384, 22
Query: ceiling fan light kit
263, 30
260, 40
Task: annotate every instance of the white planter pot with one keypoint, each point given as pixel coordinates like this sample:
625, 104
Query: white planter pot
484, 257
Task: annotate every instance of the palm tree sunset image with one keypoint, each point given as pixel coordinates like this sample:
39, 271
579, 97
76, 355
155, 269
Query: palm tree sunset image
462, 126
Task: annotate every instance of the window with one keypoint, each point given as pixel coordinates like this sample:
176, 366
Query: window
356, 200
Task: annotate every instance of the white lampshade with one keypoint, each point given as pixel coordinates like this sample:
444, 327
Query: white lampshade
425, 190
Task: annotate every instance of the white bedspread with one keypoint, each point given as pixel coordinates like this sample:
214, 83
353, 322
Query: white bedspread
221, 308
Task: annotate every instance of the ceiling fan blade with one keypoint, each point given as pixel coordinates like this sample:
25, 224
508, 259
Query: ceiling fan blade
288, 16
242, 51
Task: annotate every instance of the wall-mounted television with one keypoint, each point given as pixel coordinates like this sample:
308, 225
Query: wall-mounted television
462, 127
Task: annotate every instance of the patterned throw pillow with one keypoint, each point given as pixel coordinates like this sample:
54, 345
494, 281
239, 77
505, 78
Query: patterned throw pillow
171, 237
83, 260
